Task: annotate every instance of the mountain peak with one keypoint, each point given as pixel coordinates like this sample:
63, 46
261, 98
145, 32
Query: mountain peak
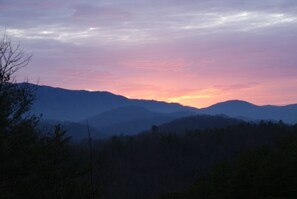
234, 102
77, 105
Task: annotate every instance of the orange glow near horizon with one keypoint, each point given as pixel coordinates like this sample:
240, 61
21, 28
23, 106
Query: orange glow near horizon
259, 94
196, 83
146, 50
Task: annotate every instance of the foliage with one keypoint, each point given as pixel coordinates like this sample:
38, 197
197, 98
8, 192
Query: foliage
152, 163
268, 173
33, 164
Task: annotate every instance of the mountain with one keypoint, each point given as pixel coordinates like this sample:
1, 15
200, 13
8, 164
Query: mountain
131, 120
128, 120
77, 105
248, 111
76, 131
121, 115
198, 122
114, 114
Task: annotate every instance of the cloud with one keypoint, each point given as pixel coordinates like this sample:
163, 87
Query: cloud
166, 49
157, 65
240, 86
89, 10
121, 22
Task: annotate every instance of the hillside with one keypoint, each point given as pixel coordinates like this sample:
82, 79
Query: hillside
198, 122
112, 114
77, 105
130, 120
242, 109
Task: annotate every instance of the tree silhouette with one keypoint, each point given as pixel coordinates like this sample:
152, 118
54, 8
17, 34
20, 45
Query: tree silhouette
15, 100
33, 164
18, 135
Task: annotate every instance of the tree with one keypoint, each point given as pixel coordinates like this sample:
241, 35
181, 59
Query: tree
58, 167
18, 135
15, 100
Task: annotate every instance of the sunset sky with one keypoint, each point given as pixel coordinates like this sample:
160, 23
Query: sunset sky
194, 52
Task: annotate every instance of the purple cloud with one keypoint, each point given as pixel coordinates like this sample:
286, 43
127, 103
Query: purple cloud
130, 46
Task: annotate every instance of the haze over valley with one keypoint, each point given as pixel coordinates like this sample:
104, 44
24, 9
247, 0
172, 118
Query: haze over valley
116, 115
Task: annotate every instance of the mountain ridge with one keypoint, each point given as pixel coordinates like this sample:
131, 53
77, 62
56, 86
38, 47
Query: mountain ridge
243, 109
132, 120
60, 104
78, 105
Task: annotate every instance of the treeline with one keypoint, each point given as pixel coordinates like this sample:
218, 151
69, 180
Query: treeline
153, 163
269, 172
33, 163
40, 167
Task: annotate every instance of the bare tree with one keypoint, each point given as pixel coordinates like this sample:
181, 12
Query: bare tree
16, 128
12, 58
15, 100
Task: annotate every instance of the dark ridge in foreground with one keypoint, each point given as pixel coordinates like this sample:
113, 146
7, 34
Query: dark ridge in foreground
199, 122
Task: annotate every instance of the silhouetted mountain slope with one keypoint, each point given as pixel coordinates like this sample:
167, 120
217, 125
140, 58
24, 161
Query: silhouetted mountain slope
77, 105
242, 109
136, 126
121, 115
73, 105
80, 131
76, 131
199, 122
130, 120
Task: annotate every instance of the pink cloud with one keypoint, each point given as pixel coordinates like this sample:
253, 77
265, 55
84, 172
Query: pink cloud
157, 65
193, 53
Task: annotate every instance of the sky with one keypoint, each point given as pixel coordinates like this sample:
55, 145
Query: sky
193, 52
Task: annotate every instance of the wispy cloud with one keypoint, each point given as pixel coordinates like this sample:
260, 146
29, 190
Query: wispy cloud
169, 50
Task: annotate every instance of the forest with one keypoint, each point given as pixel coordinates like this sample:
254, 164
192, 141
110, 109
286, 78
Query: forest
248, 160
245, 160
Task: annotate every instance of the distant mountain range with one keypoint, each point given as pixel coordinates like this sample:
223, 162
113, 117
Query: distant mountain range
132, 119
77, 105
77, 131
248, 111
111, 114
